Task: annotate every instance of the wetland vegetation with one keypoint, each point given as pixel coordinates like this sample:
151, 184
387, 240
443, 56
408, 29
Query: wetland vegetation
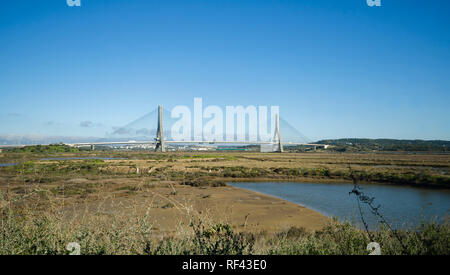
179, 202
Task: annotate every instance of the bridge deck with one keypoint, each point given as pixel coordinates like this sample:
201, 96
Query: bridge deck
167, 141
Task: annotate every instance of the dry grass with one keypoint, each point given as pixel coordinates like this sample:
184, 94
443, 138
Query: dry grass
48, 234
154, 203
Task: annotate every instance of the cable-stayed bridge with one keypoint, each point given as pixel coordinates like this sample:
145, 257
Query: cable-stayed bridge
138, 133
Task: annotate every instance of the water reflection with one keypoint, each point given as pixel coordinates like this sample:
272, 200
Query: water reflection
402, 206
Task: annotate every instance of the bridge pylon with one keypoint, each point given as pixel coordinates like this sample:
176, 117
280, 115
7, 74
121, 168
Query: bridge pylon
160, 143
277, 135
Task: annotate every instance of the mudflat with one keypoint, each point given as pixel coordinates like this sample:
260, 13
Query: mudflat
171, 207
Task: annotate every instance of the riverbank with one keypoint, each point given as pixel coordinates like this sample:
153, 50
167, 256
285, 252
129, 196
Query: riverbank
402, 207
129, 232
171, 206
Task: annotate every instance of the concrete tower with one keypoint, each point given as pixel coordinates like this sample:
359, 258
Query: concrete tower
160, 143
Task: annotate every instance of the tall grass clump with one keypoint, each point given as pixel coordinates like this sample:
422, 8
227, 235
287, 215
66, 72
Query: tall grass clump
344, 239
25, 233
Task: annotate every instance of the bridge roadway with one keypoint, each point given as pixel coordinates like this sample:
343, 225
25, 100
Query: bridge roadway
169, 142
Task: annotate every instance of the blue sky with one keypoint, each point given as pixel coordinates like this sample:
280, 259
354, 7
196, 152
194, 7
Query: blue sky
335, 68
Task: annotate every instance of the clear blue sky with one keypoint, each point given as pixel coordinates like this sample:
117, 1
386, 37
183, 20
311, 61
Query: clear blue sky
336, 68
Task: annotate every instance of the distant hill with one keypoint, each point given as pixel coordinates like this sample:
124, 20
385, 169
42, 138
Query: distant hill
52, 148
364, 144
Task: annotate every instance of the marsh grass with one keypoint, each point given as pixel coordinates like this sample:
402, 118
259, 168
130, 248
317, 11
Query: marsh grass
37, 226
427, 170
47, 233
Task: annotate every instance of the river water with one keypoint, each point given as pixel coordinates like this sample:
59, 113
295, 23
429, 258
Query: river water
7, 164
83, 158
401, 206
67, 158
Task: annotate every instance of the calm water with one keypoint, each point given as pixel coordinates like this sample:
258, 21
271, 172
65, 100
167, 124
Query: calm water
7, 164
80, 158
401, 206
67, 158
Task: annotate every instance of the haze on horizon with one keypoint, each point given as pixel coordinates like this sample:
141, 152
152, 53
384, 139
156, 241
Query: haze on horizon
336, 68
